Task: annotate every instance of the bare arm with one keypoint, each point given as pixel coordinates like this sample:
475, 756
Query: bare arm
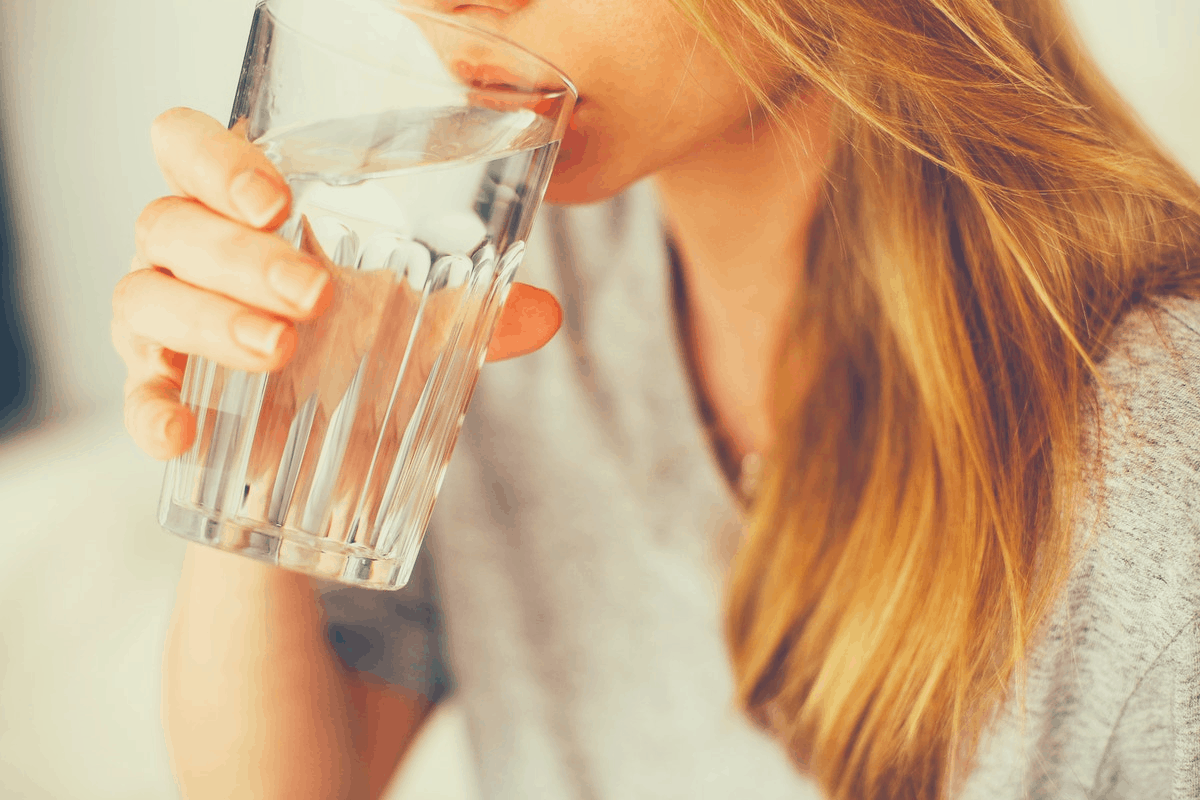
255, 703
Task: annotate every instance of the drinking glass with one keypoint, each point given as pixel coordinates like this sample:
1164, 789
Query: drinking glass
417, 149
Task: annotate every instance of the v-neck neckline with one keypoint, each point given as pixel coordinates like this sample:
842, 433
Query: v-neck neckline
739, 472
738, 479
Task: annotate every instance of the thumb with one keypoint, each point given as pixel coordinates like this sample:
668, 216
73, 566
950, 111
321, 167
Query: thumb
529, 320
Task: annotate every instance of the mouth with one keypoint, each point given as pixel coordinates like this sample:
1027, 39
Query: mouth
574, 139
495, 78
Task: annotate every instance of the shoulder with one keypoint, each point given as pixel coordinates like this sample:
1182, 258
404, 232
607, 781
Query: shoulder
1132, 617
1122, 637
1153, 359
1146, 439
1140, 515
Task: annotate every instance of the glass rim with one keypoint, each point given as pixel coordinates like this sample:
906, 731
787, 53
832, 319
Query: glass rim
567, 88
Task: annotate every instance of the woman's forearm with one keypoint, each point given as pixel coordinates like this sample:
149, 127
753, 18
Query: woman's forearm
254, 702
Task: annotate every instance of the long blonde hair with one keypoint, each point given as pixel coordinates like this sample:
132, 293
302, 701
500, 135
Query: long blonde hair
992, 211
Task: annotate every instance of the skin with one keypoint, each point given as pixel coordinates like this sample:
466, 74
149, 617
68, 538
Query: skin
738, 188
738, 191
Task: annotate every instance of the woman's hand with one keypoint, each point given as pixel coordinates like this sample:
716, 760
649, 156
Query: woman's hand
210, 279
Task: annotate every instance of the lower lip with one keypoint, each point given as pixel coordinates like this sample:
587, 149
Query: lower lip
573, 142
579, 103
490, 77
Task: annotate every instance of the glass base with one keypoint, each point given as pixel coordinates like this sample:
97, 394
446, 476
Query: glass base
321, 558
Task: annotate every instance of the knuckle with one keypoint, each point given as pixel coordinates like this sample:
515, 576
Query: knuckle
241, 241
209, 172
122, 295
119, 335
239, 261
168, 116
148, 221
245, 256
130, 411
166, 122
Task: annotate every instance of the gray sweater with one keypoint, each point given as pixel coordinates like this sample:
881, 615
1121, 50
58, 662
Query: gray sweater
572, 572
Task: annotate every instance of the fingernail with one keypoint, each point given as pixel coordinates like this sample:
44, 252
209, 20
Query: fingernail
298, 283
257, 196
170, 427
257, 334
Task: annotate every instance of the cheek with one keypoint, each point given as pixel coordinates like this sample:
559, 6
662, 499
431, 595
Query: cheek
603, 153
640, 114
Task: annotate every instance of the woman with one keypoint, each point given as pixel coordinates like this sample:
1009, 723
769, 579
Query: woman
916, 255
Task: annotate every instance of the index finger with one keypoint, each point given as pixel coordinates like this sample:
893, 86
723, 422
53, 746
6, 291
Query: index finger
202, 160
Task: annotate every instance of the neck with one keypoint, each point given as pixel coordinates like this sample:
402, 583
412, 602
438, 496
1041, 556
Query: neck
747, 198
739, 210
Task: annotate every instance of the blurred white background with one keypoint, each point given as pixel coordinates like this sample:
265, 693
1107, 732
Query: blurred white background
85, 574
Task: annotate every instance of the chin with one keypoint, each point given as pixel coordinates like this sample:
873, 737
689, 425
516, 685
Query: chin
578, 189
585, 172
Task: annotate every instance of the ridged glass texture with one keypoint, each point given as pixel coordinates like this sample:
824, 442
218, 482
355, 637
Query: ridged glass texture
417, 150
333, 468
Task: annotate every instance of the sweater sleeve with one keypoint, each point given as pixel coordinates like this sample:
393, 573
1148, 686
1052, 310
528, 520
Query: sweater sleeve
1112, 707
1152, 500
1154, 751
395, 636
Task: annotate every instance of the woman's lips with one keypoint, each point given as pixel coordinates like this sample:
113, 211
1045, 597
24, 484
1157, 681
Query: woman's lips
574, 142
493, 77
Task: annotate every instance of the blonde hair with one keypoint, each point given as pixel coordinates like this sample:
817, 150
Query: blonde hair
992, 211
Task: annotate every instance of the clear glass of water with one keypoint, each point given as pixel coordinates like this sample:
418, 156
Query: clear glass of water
417, 150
